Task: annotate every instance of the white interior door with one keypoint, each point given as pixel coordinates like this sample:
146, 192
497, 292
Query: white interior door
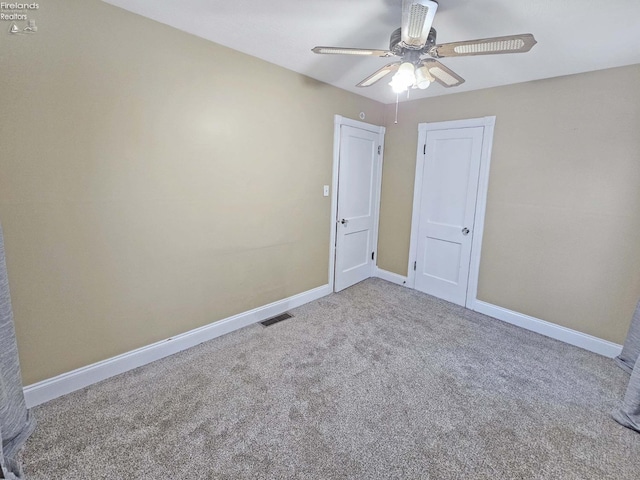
447, 209
357, 205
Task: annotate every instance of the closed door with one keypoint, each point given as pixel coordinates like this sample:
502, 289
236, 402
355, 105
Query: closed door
447, 211
357, 205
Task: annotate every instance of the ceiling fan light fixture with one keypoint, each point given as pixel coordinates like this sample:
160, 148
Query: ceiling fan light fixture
397, 86
404, 78
406, 73
423, 78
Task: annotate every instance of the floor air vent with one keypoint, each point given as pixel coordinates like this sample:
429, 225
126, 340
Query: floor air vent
275, 319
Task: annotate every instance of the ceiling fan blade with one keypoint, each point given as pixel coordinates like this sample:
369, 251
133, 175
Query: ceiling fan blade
379, 75
486, 46
443, 75
352, 51
417, 18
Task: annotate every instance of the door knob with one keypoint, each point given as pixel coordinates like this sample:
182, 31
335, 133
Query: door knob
344, 222
465, 231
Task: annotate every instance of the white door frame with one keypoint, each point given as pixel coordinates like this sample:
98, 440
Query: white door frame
481, 200
338, 122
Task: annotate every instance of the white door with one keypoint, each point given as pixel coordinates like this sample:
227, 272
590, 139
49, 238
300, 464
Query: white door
357, 205
447, 211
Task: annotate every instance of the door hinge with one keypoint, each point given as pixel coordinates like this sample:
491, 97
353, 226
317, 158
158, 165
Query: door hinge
414, 265
424, 149
373, 255
379, 149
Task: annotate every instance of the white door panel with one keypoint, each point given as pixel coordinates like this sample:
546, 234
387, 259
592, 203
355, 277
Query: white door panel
355, 250
447, 211
356, 174
442, 260
357, 200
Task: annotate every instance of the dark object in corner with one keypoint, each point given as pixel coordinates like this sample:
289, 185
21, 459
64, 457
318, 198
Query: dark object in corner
16, 423
629, 413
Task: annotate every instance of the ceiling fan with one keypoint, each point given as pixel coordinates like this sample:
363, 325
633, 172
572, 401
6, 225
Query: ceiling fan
415, 43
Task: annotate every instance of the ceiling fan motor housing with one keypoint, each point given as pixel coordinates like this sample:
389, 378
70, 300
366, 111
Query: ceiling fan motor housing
399, 48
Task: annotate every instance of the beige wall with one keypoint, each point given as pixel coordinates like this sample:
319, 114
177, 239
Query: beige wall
152, 182
562, 230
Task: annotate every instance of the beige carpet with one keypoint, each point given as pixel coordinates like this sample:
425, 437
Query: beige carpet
376, 382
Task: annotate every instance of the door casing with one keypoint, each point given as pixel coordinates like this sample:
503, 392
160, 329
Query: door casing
481, 199
338, 122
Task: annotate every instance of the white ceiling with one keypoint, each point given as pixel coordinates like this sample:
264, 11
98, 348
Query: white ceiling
573, 35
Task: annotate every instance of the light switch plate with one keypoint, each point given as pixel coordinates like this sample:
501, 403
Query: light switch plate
326, 190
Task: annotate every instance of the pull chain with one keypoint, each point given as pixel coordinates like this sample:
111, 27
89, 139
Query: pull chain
397, 100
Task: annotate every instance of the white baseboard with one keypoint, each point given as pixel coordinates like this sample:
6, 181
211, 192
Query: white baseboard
390, 276
51, 388
567, 335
